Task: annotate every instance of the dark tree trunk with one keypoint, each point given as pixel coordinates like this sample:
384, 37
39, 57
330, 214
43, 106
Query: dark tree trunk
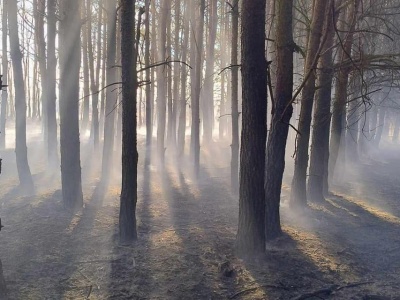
298, 197
70, 48
281, 113
127, 215
339, 104
21, 150
4, 62
149, 100
322, 116
51, 113
111, 95
235, 97
250, 240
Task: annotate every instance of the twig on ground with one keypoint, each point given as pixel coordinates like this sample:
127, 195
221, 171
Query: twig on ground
272, 286
90, 291
330, 290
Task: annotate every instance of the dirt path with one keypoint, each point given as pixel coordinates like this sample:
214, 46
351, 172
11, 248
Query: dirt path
186, 237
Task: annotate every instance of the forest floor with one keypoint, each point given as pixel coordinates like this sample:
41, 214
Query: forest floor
348, 247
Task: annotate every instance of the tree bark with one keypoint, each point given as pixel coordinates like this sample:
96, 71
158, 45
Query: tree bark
94, 71
161, 83
250, 240
127, 216
341, 87
21, 150
70, 49
111, 95
298, 196
51, 113
149, 100
281, 114
182, 101
235, 97
322, 116
208, 90
195, 134
4, 63
85, 64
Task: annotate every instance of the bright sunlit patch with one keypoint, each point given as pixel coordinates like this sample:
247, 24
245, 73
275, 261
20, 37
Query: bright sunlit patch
74, 223
333, 203
317, 251
386, 216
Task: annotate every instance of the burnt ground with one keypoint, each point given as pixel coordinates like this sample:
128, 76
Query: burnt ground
347, 247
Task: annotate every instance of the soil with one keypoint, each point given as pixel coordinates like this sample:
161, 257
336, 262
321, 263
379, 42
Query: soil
347, 247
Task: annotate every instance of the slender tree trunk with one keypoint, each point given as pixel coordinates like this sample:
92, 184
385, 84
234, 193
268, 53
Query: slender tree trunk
94, 71
381, 125
162, 82
298, 197
111, 95
235, 97
149, 100
341, 87
250, 240
41, 57
281, 114
127, 215
182, 101
51, 113
85, 64
208, 99
197, 89
21, 150
4, 62
322, 116
103, 73
70, 59
177, 72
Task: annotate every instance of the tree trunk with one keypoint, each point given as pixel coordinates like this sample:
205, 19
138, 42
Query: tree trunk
94, 72
21, 151
322, 116
162, 82
51, 113
70, 59
281, 113
298, 197
182, 101
195, 134
250, 240
111, 95
208, 99
341, 87
149, 100
85, 64
381, 125
177, 72
4, 62
127, 215
235, 97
